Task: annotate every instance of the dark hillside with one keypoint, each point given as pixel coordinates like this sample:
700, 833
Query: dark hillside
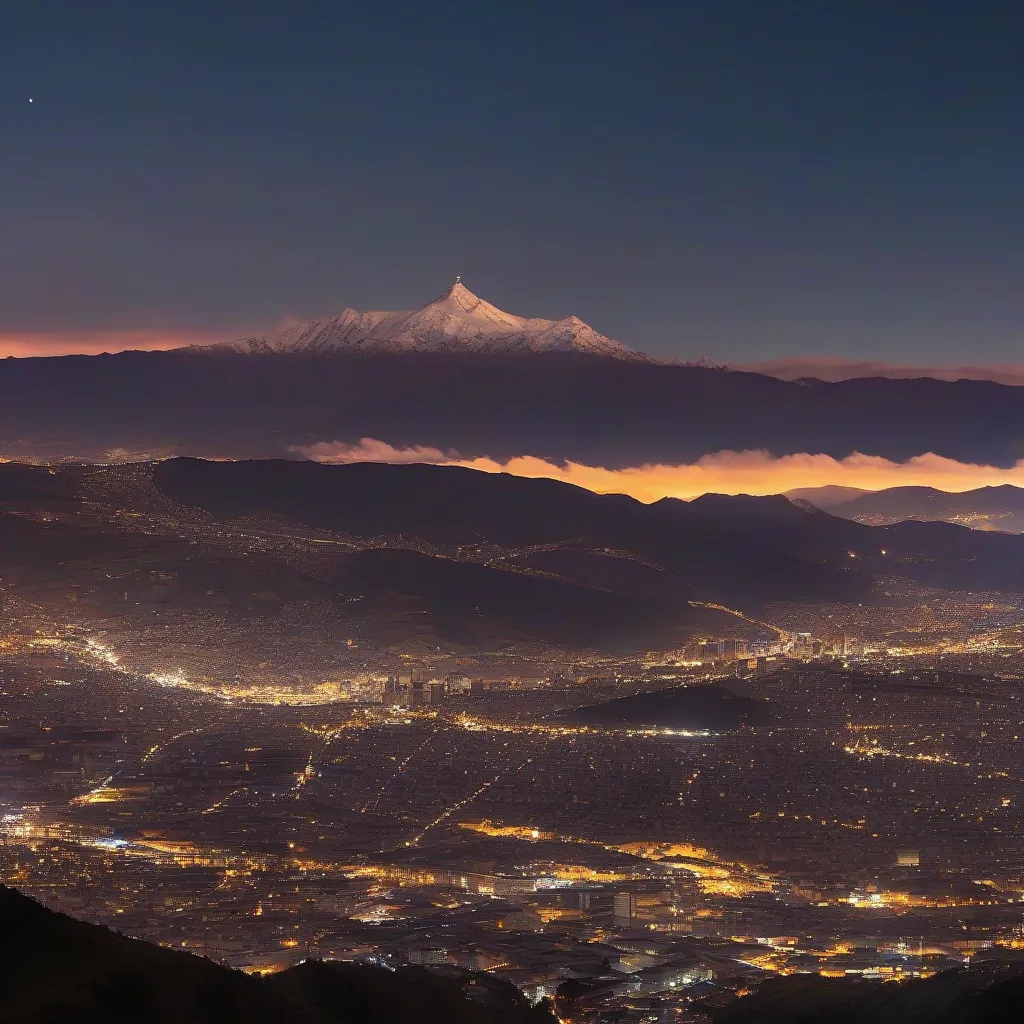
56, 970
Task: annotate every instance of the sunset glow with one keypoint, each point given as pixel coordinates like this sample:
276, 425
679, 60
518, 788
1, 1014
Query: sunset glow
748, 472
97, 341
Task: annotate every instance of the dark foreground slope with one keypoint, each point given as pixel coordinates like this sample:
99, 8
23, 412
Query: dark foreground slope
976, 996
560, 405
55, 970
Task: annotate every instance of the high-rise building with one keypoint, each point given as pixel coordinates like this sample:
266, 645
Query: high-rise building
623, 909
457, 682
734, 650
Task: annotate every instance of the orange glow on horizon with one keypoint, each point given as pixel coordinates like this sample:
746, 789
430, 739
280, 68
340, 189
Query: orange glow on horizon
94, 342
747, 472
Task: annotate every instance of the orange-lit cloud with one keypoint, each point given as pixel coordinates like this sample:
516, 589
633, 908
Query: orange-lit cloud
371, 450
846, 369
748, 472
93, 342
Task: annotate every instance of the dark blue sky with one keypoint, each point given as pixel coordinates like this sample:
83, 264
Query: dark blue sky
747, 179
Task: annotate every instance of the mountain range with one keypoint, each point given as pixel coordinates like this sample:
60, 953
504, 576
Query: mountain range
738, 550
984, 508
451, 557
459, 374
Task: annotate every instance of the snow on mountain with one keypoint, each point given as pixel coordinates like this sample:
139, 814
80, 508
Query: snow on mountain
458, 320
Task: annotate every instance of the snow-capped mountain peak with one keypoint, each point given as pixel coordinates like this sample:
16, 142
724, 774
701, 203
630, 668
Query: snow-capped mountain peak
458, 320
460, 302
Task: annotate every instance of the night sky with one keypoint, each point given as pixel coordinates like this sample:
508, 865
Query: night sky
749, 179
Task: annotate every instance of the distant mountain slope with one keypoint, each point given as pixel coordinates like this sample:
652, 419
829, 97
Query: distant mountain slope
54, 969
564, 402
986, 508
826, 497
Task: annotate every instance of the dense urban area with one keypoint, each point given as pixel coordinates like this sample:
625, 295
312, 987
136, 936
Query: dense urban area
829, 788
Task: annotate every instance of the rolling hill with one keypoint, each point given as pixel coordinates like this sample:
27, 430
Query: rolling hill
985, 508
444, 555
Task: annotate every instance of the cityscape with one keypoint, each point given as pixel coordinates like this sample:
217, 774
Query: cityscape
511, 513
263, 776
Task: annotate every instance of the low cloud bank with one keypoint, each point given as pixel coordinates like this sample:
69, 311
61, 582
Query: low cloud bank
371, 450
844, 369
747, 472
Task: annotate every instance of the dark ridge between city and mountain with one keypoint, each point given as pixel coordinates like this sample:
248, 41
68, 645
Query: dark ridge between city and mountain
457, 556
695, 708
54, 969
557, 405
460, 374
987, 994
985, 508
717, 547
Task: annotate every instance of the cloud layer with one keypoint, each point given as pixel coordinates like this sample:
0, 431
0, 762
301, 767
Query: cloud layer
846, 369
748, 472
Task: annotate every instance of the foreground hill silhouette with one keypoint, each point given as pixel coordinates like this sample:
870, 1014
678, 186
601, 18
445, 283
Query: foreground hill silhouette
981, 995
56, 970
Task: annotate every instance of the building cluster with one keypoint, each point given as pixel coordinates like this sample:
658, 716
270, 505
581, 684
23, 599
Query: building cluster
460, 820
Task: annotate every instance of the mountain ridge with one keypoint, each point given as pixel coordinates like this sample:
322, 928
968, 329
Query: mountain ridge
265, 398
456, 557
996, 507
